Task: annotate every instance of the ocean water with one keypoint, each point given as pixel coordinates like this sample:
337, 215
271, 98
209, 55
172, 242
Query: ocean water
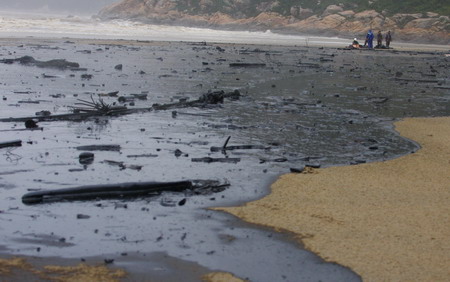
51, 25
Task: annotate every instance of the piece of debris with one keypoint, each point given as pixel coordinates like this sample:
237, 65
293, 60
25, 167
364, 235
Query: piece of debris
30, 61
165, 202
109, 94
121, 191
104, 191
277, 160
95, 108
216, 160
417, 80
99, 148
118, 67
141, 96
115, 163
120, 206
86, 76
214, 97
14, 143
28, 102
182, 202
43, 113
86, 158
78, 69
312, 165
98, 106
143, 156
122, 165
239, 147
30, 124
247, 65
377, 100
297, 169
178, 153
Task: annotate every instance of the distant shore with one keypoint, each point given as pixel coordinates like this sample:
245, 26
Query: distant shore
311, 41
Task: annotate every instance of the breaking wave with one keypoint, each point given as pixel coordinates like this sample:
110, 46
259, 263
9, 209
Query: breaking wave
45, 25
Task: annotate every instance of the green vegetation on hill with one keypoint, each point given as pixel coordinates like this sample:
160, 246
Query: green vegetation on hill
247, 8
441, 7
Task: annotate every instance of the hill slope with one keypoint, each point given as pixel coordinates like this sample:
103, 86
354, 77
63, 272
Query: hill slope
410, 20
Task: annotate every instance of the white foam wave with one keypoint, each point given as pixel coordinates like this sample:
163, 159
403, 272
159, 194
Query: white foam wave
84, 27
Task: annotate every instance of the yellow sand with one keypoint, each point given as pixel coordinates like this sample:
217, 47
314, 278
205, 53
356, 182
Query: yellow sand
8, 265
388, 221
81, 272
220, 277
15, 268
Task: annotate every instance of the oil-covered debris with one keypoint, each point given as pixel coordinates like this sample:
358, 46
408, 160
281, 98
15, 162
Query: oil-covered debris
13, 143
97, 106
121, 191
30, 61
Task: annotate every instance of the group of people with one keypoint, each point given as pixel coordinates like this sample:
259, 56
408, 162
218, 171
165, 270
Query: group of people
369, 40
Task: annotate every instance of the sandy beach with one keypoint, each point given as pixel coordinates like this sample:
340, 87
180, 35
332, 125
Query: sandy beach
376, 206
385, 220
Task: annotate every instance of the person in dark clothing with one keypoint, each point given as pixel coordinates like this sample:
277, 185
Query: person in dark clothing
388, 38
379, 39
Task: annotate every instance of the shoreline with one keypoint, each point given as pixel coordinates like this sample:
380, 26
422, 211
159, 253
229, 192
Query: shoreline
304, 40
345, 214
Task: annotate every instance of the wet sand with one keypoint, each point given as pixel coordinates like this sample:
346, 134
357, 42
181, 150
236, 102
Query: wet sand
22, 269
220, 277
132, 267
387, 221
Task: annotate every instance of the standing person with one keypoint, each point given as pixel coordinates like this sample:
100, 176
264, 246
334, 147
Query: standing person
369, 39
388, 39
379, 39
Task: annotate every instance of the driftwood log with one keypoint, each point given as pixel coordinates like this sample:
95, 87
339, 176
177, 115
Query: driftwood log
121, 191
215, 160
104, 191
247, 65
14, 143
99, 148
216, 97
239, 147
30, 61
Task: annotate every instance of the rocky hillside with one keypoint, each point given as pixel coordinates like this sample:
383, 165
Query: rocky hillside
420, 21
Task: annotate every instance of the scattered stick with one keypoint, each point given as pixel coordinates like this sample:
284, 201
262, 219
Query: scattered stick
226, 143
247, 65
99, 148
215, 97
417, 80
239, 147
14, 143
23, 129
98, 108
215, 160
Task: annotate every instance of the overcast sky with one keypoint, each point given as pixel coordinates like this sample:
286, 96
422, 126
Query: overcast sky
66, 6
